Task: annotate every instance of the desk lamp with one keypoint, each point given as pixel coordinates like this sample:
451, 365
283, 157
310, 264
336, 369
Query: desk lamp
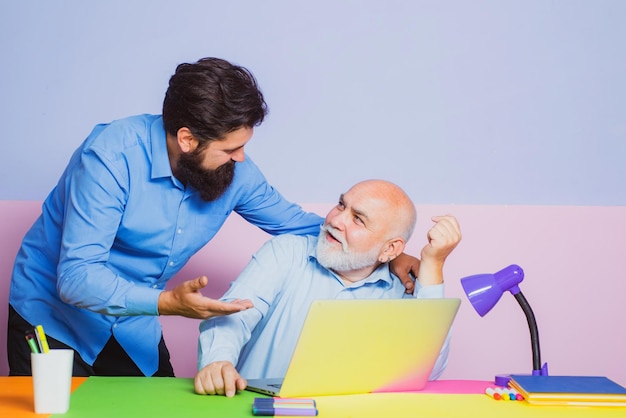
485, 290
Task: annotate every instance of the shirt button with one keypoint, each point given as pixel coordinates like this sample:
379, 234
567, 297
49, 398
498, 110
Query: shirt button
154, 286
171, 263
114, 325
179, 231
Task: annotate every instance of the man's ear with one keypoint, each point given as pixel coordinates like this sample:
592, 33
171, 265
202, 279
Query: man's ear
186, 140
392, 248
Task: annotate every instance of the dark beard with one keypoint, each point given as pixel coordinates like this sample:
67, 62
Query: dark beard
211, 184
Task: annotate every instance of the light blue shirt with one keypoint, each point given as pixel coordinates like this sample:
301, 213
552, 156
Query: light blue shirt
116, 228
282, 280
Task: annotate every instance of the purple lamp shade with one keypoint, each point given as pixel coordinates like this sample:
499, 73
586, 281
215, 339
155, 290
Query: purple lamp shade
485, 290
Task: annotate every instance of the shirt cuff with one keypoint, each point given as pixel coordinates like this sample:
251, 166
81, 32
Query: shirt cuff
429, 292
142, 301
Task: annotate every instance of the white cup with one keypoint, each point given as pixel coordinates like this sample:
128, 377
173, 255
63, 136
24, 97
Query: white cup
52, 380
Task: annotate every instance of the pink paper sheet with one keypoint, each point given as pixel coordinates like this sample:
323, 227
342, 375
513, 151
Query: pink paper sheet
450, 387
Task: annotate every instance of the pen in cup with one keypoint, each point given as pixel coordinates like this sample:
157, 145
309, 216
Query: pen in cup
43, 341
32, 342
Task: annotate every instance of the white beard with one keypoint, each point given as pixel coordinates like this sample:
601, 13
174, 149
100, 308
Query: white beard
343, 259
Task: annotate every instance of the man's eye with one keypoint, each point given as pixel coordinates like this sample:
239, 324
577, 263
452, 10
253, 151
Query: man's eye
358, 220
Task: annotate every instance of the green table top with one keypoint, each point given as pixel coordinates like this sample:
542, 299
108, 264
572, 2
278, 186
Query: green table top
152, 397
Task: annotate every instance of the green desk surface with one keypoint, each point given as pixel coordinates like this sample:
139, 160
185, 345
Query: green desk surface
152, 397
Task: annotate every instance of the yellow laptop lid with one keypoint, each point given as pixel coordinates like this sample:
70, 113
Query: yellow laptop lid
360, 346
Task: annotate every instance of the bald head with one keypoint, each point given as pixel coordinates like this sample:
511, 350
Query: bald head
388, 203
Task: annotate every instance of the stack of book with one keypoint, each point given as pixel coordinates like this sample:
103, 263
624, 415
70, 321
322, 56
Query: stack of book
569, 390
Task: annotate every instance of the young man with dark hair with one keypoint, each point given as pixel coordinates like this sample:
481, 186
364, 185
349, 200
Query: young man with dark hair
137, 199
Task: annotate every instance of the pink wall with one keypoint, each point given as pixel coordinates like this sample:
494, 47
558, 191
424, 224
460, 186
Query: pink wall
573, 258
16, 216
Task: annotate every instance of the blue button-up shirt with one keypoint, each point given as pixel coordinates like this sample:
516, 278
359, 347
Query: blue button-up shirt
116, 228
282, 280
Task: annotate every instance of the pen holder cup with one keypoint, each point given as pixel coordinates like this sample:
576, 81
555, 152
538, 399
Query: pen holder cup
52, 380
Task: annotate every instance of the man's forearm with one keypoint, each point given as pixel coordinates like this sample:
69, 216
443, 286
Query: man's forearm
430, 272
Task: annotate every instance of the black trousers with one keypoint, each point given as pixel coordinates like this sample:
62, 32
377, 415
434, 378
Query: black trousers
112, 360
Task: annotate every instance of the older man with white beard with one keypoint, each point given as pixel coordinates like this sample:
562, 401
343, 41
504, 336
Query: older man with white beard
348, 260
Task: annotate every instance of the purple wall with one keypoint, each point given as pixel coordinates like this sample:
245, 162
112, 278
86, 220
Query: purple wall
511, 102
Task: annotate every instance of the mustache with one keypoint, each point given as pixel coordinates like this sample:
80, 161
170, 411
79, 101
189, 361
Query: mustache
333, 232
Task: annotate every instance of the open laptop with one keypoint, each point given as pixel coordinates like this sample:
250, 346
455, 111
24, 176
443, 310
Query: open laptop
362, 346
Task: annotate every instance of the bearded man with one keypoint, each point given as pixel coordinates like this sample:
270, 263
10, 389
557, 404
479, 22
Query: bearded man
138, 198
349, 259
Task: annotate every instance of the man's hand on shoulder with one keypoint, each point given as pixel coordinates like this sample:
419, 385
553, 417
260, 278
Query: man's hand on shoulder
405, 267
219, 378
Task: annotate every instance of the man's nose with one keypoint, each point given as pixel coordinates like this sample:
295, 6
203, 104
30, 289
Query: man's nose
238, 156
338, 220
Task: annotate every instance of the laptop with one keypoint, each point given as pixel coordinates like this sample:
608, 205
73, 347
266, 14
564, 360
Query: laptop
362, 346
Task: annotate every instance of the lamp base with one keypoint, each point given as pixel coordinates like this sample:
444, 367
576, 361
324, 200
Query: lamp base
542, 372
503, 379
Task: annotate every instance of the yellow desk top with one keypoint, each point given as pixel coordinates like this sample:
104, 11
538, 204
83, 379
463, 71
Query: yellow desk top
171, 397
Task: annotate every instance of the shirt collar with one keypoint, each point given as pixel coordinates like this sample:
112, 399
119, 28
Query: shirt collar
160, 158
